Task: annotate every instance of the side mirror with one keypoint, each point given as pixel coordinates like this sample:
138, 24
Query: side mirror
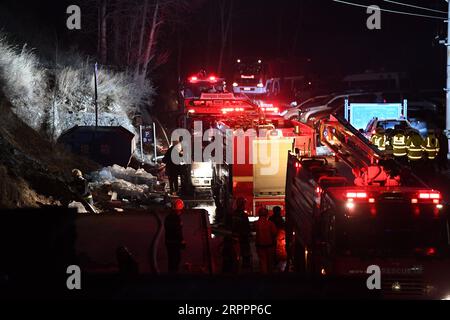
361, 130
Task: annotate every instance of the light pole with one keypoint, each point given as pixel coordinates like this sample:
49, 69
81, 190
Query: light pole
447, 89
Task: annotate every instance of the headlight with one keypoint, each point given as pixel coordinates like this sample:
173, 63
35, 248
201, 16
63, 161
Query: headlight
447, 297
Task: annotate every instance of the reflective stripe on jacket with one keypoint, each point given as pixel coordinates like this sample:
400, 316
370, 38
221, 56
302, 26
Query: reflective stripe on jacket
399, 145
414, 145
379, 141
431, 146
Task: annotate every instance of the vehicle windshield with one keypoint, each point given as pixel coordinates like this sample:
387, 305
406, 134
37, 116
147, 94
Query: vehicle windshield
250, 69
395, 232
391, 124
195, 90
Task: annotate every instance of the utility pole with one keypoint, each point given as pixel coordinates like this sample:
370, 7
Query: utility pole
447, 89
95, 96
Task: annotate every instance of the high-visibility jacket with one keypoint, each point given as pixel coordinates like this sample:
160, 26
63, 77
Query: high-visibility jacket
414, 144
431, 146
380, 141
399, 145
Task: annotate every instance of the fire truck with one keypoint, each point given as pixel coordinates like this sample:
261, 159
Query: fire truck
254, 149
250, 76
362, 208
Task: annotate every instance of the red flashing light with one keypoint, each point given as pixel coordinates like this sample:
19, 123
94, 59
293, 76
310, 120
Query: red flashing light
359, 195
191, 111
193, 79
235, 84
260, 85
318, 190
298, 165
371, 200
212, 78
414, 200
428, 195
431, 252
178, 204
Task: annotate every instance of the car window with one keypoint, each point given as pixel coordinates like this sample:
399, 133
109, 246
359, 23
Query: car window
391, 124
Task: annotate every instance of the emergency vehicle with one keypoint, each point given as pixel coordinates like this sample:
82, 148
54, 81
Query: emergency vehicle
250, 76
255, 149
366, 209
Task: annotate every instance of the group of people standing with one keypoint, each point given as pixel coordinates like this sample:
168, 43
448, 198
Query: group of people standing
409, 146
269, 240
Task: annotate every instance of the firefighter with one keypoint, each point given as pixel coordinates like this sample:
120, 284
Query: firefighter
399, 144
431, 145
443, 151
241, 232
379, 139
174, 236
266, 235
80, 186
414, 145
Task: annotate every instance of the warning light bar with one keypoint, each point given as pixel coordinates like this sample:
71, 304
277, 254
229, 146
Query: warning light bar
426, 195
358, 195
225, 110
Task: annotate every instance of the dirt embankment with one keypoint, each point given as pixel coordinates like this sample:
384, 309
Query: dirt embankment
32, 170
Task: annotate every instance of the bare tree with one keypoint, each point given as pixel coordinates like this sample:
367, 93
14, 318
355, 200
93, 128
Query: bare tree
103, 35
226, 13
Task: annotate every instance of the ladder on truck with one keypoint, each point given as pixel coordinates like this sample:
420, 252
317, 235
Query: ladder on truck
353, 148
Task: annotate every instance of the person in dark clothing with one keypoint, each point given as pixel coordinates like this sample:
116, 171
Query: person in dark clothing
442, 161
276, 218
173, 169
280, 250
241, 231
266, 237
80, 186
174, 236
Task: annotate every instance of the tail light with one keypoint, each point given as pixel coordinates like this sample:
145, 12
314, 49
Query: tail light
358, 195
427, 195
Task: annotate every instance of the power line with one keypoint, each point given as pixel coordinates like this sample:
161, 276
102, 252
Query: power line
391, 11
413, 6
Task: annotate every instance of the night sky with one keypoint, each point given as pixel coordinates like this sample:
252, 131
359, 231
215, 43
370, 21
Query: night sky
333, 35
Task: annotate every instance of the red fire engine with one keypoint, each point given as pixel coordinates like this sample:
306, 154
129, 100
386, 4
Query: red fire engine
367, 209
255, 149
